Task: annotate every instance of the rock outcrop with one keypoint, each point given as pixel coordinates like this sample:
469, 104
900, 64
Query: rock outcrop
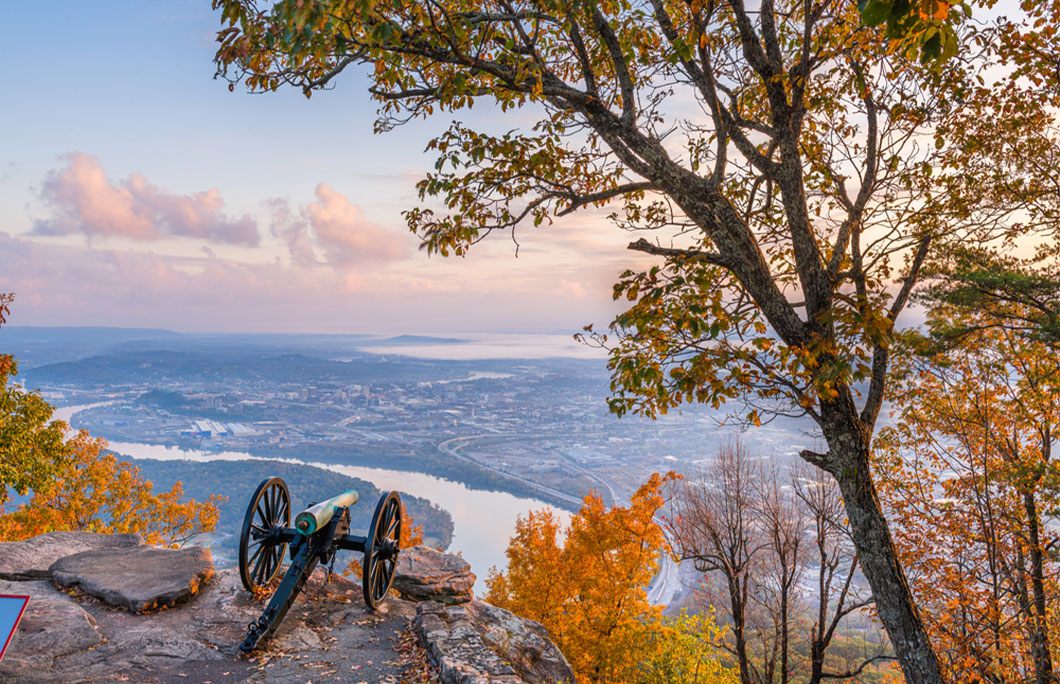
426, 574
478, 643
107, 630
522, 643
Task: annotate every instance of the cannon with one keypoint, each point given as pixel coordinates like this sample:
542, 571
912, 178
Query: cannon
318, 534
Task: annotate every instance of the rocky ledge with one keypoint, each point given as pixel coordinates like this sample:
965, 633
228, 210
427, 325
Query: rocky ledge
107, 608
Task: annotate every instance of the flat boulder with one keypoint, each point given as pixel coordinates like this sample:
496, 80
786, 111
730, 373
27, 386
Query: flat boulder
30, 559
139, 578
426, 574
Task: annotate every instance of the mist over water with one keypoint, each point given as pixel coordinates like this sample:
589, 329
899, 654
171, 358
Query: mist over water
493, 346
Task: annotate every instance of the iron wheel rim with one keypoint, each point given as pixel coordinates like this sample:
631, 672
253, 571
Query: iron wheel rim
381, 550
260, 554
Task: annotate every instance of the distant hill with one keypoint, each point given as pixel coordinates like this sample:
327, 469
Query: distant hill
161, 367
33, 333
36, 346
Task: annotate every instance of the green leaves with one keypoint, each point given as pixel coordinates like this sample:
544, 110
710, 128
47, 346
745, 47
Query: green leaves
32, 445
874, 12
920, 28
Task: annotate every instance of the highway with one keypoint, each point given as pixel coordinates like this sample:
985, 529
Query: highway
667, 582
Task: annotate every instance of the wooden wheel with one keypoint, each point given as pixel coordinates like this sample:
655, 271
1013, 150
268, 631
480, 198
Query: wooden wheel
261, 544
381, 550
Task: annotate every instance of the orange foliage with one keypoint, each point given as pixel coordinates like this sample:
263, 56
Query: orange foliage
969, 480
95, 492
589, 592
934, 9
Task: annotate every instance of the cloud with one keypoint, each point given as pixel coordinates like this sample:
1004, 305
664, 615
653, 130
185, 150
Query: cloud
61, 284
293, 230
331, 230
81, 199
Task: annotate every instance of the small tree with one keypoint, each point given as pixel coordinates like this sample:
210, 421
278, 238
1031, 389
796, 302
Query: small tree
745, 526
31, 443
588, 590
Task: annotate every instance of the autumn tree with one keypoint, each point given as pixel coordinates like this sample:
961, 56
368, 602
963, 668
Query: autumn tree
971, 478
587, 586
683, 649
93, 491
797, 177
75, 484
31, 443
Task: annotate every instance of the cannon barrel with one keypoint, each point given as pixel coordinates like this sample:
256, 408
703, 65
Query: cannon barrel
313, 518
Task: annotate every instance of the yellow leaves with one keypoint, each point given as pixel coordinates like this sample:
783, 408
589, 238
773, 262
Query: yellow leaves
587, 586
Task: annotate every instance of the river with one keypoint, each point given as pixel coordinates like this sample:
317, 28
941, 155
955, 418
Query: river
483, 520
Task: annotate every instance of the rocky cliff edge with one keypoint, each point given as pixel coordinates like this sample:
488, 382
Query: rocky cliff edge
108, 608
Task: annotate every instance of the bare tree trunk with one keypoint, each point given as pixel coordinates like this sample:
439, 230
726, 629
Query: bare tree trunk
739, 627
1043, 663
848, 461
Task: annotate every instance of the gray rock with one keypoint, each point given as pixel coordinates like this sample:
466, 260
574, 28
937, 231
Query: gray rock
328, 635
456, 648
522, 643
30, 559
426, 574
138, 578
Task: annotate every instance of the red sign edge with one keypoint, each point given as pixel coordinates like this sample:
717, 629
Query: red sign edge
17, 619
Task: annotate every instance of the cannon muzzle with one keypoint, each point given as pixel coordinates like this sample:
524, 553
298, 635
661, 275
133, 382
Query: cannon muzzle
313, 518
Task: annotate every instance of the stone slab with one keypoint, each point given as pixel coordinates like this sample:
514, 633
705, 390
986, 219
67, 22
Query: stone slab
31, 558
426, 574
139, 578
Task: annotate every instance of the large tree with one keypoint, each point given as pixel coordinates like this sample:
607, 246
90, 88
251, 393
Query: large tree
798, 176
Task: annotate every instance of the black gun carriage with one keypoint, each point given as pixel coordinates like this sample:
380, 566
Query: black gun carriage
318, 534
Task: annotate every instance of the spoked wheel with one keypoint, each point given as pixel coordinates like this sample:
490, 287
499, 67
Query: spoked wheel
262, 545
381, 550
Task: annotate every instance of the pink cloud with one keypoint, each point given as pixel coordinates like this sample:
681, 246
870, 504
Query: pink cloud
82, 199
58, 284
294, 231
338, 230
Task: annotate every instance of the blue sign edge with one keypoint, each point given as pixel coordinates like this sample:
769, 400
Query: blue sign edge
22, 612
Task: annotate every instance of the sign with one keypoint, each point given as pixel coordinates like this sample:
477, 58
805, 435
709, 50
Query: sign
11, 610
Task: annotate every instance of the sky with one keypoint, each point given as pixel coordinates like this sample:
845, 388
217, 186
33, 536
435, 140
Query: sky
137, 191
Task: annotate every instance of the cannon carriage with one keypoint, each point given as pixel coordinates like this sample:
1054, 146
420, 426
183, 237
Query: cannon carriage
318, 534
